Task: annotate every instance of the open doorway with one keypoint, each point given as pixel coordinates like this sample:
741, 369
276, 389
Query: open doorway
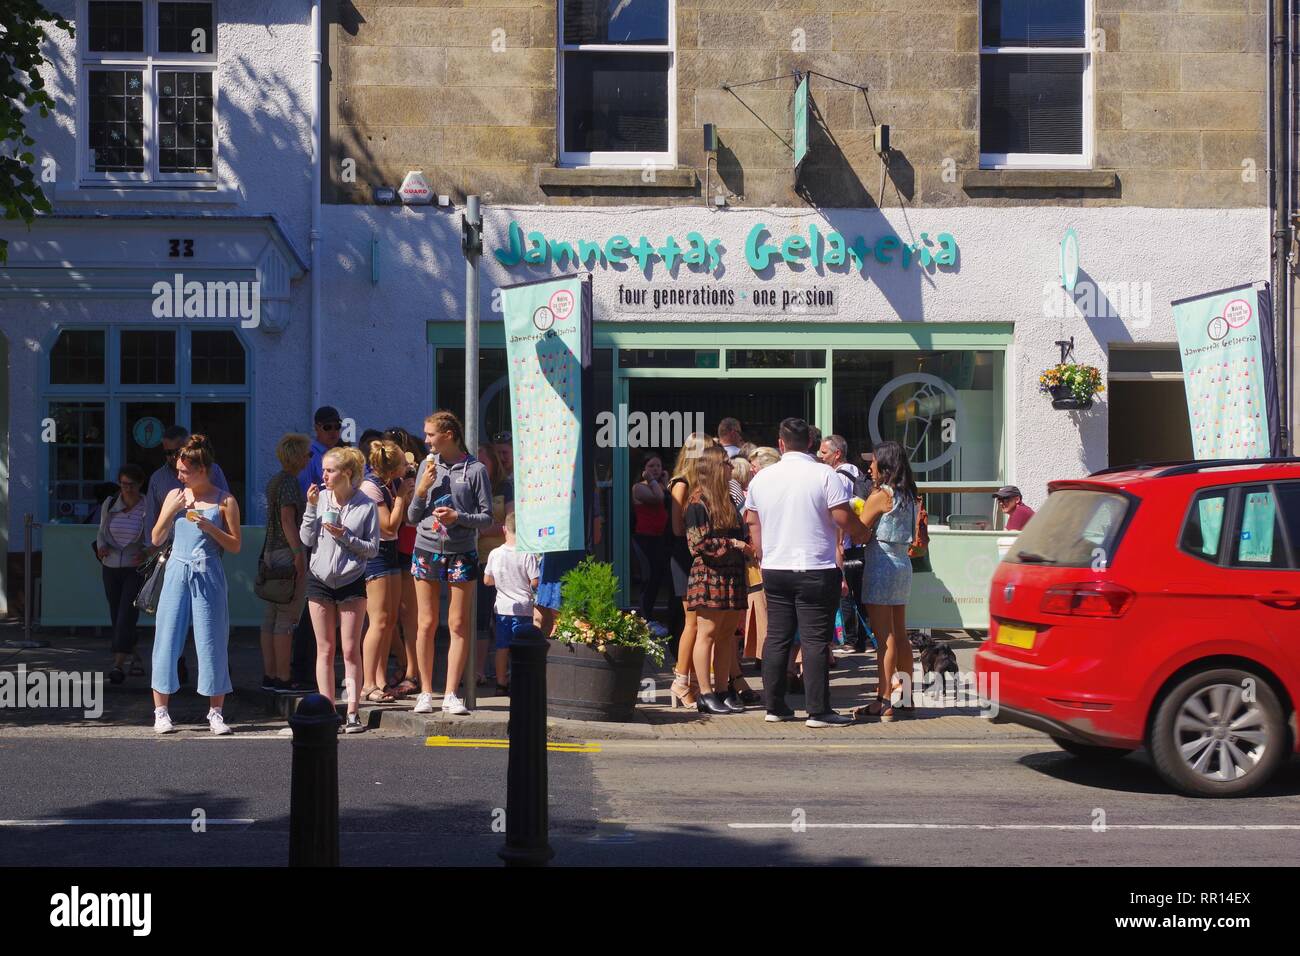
1148, 406
759, 404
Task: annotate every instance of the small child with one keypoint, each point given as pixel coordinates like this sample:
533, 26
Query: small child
514, 574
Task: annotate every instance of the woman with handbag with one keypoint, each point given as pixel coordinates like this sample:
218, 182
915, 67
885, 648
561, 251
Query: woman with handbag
282, 569
887, 575
120, 546
202, 522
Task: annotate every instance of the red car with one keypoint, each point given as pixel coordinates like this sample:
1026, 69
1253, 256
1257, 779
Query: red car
1158, 606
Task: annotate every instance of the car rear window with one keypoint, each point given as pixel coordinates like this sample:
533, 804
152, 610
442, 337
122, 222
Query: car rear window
1075, 528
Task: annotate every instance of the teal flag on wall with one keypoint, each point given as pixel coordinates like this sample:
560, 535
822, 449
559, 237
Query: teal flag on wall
548, 347
800, 122
1225, 340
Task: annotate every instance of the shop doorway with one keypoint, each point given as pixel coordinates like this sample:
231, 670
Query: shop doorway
699, 404
1148, 406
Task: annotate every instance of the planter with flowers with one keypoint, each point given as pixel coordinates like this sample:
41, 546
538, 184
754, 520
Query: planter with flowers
595, 672
1071, 386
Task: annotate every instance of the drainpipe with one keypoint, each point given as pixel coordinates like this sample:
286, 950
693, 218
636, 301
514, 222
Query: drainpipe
1279, 176
317, 91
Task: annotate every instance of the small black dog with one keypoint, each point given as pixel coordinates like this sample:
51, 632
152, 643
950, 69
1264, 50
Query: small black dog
936, 659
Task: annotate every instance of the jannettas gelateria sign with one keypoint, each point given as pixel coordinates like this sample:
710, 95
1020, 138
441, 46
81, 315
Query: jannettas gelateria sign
814, 247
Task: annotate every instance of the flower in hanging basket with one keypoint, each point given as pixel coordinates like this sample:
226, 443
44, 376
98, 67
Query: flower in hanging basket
1081, 382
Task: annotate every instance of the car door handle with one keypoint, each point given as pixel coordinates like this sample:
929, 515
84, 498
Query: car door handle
1279, 599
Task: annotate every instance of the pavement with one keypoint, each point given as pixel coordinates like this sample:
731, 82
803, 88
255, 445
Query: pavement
127, 708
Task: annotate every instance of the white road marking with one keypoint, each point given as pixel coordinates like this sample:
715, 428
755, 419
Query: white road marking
1014, 826
148, 822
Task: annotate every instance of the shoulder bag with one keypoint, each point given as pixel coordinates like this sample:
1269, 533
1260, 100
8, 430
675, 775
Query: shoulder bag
274, 585
153, 571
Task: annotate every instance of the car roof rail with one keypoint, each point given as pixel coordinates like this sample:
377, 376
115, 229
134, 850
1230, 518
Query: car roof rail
1192, 467
1170, 468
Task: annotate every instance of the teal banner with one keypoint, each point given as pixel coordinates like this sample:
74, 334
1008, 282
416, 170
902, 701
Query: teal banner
800, 121
548, 347
1223, 340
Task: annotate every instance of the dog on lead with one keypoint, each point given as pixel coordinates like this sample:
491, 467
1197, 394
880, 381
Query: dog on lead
936, 659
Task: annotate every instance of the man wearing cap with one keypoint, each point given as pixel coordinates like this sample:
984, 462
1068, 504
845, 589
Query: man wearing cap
329, 428
1011, 504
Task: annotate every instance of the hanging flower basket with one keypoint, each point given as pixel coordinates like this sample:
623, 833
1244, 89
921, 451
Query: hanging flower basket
1071, 386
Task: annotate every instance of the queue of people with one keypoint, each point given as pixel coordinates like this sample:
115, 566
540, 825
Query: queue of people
759, 545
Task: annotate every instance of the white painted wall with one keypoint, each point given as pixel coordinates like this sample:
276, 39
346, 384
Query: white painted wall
264, 96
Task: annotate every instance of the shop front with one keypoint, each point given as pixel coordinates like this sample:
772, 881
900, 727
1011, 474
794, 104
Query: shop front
926, 326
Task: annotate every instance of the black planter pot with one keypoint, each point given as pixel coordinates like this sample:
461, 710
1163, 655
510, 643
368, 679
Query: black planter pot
587, 684
1063, 399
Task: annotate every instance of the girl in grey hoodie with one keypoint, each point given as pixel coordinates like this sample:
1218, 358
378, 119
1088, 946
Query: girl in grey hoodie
341, 529
451, 504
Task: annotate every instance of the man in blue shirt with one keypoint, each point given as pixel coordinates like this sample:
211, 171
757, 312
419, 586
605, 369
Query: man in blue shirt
329, 428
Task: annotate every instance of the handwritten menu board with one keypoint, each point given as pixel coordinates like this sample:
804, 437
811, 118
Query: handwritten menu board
545, 328
1222, 342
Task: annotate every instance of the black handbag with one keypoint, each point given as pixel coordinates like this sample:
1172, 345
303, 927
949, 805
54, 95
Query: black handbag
153, 571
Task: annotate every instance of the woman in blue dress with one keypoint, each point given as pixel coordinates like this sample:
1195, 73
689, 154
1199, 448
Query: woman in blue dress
887, 574
203, 522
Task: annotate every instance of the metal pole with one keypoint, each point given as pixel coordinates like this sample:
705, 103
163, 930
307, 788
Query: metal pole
28, 590
1277, 134
527, 811
314, 787
471, 419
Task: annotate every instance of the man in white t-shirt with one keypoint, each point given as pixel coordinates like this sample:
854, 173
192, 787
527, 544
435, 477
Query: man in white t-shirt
796, 509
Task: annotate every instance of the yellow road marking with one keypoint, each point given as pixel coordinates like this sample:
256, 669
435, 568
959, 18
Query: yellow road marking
492, 743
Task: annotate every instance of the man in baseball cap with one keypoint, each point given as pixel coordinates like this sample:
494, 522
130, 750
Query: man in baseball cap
329, 431
1011, 504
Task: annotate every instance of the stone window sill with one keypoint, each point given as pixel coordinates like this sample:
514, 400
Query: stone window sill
1045, 179
147, 194
597, 177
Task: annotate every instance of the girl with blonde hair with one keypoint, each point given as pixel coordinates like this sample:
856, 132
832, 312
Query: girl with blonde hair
390, 496
341, 527
680, 487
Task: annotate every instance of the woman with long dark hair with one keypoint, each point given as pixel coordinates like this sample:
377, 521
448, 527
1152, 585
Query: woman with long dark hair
887, 574
716, 591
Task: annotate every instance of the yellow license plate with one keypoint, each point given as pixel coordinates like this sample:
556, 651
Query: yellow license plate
1016, 636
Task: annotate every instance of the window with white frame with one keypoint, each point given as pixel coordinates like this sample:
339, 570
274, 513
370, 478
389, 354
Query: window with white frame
147, 110
617, 82
1035, 83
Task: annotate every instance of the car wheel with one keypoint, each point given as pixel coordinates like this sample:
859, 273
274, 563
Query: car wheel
1090, 751
1219, 733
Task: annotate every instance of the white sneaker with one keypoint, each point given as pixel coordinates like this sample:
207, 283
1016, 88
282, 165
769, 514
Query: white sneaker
218, 723
162, 721
451, 704
424, 704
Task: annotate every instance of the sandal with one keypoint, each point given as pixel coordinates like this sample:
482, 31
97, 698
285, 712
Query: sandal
115, 676
404, 688
383, 698
137, 668
866, 709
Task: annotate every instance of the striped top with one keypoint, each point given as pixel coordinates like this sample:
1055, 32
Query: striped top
125, 526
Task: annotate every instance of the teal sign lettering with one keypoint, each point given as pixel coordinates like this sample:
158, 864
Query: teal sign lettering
814, 248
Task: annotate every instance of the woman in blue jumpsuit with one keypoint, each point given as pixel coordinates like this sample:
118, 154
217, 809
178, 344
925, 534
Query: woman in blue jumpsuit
203, 522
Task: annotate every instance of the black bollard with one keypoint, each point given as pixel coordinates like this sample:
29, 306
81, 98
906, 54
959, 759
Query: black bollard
314, 792
527, 800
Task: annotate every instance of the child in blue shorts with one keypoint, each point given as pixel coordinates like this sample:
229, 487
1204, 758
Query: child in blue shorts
514, 574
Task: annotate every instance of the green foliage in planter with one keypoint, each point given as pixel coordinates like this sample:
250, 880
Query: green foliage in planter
1083, 381
589, 613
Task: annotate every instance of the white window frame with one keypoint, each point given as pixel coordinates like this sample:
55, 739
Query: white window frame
1082, 160
149, 63
609, 158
